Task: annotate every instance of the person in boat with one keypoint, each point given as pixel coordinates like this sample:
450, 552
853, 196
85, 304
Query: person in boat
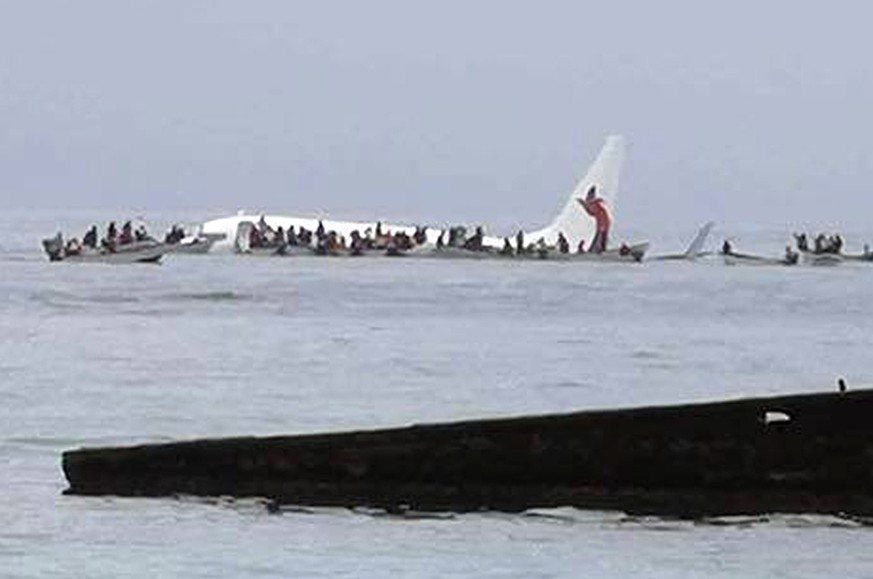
837, 243
321, 245
507, 247
357, 243
174, 235
581, 247
256, 238
453, 236
819, 243
305, 237
319, 230
109, 242
383, 237
801, 241
73, 247
791, 256
332, 243
279, 240
368, 238
291, 235
519, 242
90, 239
726, 248
140, 234
563, 244
596, 207
126, 233
262, 224
475, 242
420, 236
441, 240
479, 239
392, 248
624, 249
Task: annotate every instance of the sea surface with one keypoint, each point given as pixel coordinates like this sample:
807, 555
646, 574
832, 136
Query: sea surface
223, 345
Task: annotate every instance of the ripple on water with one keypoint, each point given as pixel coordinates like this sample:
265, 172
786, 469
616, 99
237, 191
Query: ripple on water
208, 296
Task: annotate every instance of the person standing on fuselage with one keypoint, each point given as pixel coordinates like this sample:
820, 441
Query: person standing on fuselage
596, 207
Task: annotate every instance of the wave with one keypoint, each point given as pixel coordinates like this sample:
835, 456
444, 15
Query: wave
64, 300
553, 516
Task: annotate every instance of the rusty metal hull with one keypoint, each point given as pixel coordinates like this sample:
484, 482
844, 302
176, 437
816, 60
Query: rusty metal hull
805, 453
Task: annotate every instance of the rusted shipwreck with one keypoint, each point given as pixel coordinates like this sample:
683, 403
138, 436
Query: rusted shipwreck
808, 453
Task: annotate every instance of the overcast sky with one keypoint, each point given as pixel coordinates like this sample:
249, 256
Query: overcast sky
744, 112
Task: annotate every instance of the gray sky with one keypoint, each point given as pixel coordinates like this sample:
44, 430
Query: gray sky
745, 112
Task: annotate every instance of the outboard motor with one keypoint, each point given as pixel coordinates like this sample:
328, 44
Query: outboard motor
54, 247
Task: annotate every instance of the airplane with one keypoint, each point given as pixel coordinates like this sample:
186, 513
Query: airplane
695, 248
589, 208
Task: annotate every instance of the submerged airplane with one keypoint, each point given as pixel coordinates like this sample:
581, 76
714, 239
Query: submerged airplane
587, 214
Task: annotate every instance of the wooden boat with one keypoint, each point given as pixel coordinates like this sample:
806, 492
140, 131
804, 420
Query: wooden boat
810, 453
135, 252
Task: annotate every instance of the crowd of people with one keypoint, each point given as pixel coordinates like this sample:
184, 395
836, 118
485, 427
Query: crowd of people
324, 242
111, 242
378, 238
822, 243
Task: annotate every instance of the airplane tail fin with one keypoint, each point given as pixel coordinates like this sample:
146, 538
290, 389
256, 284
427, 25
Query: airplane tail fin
696, 246
601, 179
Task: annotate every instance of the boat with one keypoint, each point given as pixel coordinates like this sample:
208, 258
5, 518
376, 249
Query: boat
864, 257
734, 258
626, 253
149, 251
633, 253
195, 244
588, 212
821, 259
806, 453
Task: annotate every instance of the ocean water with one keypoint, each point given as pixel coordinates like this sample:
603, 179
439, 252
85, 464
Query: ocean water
223, 345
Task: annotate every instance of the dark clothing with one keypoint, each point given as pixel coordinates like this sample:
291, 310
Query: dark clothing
90, 239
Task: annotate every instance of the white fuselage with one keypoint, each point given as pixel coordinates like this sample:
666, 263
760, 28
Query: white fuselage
228, 227
573, 222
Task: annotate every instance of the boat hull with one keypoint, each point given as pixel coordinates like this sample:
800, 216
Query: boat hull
745, 259
192, 245
806, 453
631, 254
822, 259
137, 252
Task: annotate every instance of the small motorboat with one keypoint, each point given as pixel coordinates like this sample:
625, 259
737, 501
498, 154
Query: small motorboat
196, 244
633, 253
734, 258
148, 251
